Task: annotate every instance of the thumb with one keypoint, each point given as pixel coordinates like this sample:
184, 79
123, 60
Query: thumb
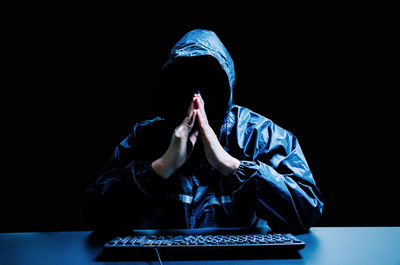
193, 137
189, 121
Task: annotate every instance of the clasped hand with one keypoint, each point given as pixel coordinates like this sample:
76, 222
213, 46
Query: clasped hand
184, 139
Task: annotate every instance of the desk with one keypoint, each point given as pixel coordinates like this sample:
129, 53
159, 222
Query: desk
344, 245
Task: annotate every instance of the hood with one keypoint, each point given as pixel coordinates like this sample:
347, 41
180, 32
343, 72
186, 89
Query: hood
198, 63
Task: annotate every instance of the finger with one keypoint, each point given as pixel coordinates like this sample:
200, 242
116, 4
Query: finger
192, 141
201, 119
198, 103
201, 99
202, 109
192, 119
193, 137
191, 107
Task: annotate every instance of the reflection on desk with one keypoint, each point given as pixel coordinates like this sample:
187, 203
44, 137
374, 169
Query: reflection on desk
324, 245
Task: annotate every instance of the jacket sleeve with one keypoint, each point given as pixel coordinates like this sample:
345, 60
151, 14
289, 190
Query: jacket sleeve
121, 195
280, 180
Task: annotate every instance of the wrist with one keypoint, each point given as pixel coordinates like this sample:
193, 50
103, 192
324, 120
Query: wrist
209, 138
163, 168
229, 166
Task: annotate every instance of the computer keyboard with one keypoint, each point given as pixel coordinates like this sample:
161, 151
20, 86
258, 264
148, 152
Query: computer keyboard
207, 241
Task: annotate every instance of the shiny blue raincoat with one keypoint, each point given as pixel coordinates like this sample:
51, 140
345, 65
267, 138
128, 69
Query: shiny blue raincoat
273, 185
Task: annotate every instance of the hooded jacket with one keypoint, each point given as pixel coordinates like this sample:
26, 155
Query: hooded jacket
273, 185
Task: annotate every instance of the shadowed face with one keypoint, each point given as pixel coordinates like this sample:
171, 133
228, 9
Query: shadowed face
187, 76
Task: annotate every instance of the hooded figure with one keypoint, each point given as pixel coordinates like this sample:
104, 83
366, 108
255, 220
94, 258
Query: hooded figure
272, 186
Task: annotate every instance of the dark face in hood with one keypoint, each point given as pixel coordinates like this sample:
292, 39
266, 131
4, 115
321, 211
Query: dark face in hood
198, 63
188, 75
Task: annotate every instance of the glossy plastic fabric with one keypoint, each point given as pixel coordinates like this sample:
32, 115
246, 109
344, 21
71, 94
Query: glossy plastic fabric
273, 185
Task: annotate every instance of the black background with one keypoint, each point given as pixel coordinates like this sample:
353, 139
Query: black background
76, 80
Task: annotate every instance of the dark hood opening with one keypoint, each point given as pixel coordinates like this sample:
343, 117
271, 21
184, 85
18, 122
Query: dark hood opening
183, 77
198, 62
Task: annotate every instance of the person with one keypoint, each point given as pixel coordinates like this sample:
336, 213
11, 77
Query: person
204, 161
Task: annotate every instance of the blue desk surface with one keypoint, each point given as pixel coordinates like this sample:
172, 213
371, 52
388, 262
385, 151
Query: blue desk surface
325, 245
